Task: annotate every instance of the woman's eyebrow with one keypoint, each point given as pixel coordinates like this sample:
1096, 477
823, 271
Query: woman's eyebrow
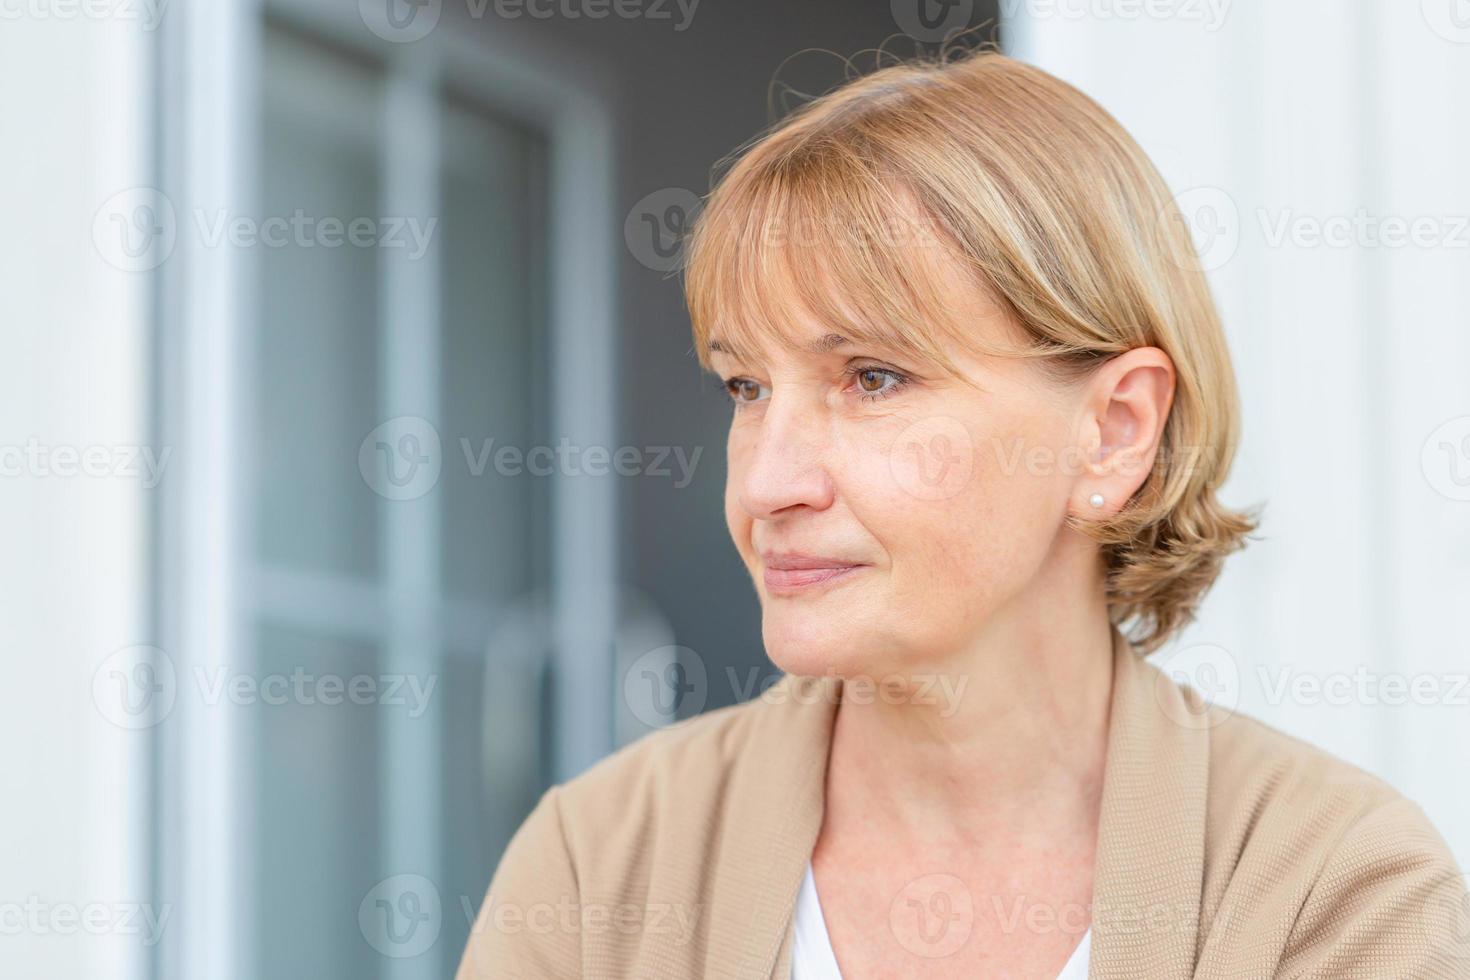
824, 344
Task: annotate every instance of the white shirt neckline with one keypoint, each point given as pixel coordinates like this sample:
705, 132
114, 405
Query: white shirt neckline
812, 957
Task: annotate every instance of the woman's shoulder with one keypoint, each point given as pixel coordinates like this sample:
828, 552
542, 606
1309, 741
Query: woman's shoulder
1263, 779
1251, 760
672, 789
640, 833
1306, 846
695, 761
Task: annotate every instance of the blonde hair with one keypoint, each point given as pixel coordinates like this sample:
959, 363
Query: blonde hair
1060, 217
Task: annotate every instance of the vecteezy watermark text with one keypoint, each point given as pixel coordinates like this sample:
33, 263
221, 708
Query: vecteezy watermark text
137, 228
40, 918
1210, 14
1363, 685
410, 691
672, 919
137, 687
566, 459
943, 691
40, 460
402, 916
406, 21
148, 13
403, 458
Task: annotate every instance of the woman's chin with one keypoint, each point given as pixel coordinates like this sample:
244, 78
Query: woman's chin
848, 646
798, 649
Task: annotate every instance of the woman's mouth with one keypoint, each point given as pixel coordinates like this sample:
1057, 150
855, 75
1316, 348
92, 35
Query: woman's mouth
790, 573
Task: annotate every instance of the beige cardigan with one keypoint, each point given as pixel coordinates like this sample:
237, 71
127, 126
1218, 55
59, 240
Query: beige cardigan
1226, 849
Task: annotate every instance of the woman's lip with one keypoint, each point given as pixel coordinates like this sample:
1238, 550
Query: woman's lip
787, 581
789, 560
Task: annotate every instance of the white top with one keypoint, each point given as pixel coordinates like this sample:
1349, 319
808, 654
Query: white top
811, 948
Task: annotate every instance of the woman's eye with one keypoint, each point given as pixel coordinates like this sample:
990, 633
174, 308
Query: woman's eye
875, 382
744, 390
869, 382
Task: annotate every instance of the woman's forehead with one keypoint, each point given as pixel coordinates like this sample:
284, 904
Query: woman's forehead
809, 304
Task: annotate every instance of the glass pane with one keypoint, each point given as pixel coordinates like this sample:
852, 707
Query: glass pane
495, 400
317, 804
493, 772
317, 343
495, 383
331, 780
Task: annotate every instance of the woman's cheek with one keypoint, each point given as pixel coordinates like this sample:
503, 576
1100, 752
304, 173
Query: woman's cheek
932, 459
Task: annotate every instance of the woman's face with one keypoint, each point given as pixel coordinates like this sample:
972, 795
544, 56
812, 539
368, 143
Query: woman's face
886, 510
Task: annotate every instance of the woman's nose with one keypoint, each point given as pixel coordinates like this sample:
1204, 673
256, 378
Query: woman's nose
787, 464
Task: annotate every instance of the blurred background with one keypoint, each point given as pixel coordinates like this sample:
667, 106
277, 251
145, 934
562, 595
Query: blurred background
359, 481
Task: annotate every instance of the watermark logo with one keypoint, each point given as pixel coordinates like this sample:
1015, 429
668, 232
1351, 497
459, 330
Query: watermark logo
933, 458
135, 230
1450, 19
401, 916
932, 916
1445, 459
401, 459
1210, 219
657, 226
665, 684
135, 687
1211, 671
400, 21
931, 20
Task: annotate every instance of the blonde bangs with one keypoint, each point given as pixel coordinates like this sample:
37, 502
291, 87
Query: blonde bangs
815, 234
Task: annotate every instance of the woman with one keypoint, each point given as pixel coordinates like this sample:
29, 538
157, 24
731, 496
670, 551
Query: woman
982, 406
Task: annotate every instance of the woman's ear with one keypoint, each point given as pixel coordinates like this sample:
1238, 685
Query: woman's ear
1126, 405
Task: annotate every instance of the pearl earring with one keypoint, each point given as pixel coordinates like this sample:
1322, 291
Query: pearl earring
1096, 500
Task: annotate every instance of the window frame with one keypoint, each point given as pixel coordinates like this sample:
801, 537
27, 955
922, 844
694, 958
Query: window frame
209, 592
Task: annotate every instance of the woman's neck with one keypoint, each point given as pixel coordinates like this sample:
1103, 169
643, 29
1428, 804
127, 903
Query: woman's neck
1013, 743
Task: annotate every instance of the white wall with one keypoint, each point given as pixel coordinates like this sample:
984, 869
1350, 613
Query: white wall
73, 561
1332, 120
